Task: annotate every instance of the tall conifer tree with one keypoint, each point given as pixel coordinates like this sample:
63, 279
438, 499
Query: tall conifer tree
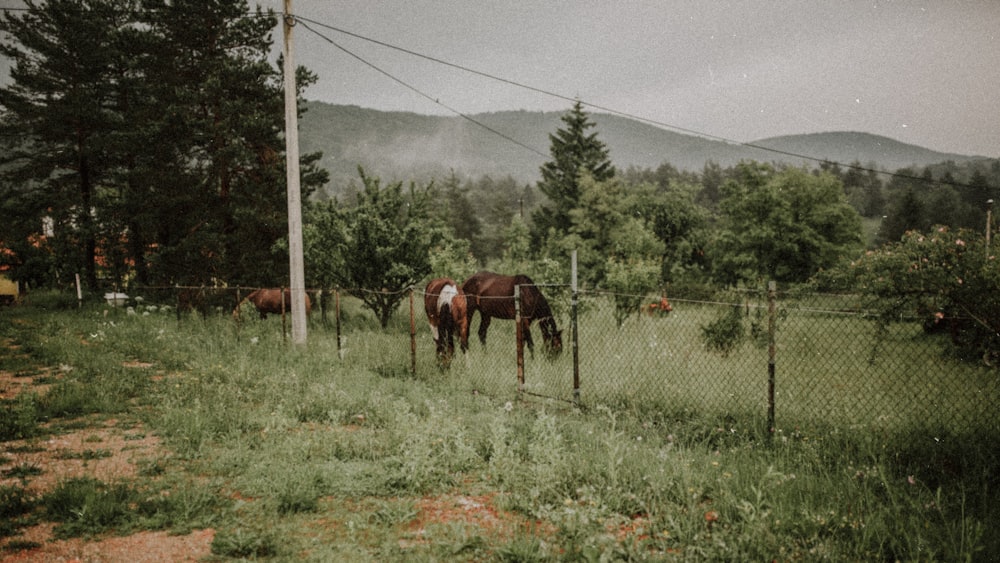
575, 152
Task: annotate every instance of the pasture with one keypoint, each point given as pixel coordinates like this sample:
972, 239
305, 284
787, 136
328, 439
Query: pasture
304, 453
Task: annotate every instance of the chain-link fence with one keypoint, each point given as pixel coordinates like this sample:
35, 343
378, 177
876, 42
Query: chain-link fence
783, 359
780, 359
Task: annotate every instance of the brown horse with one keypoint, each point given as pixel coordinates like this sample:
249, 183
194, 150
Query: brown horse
445, 305
269, 301
493, 296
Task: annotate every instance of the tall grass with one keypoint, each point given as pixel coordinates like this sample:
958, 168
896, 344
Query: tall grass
325, 455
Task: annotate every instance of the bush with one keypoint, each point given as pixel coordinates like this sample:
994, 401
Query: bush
946, 280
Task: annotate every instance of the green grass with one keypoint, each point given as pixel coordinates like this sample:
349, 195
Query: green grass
298, 453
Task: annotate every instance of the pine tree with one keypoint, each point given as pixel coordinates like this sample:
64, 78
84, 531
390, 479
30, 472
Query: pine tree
575, 152
61, 115
149, 130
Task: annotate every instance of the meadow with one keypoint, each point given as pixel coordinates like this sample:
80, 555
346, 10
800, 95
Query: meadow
314, 453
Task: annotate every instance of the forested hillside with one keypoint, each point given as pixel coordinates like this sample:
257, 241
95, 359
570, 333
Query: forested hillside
408, 145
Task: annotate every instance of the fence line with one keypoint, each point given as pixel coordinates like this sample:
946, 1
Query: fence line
783, 359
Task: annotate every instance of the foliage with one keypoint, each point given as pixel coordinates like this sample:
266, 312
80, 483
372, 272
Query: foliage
633, 270
148, 135
378, 248
575, 153
365, 461
946, 279
726, 333
783, 225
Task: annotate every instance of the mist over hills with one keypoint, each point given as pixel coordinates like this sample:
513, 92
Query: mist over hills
409, 146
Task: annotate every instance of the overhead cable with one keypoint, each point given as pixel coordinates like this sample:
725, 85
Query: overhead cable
594, 106
418, 91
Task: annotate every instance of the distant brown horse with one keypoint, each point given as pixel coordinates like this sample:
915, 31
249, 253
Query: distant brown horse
493, 296
445, 305
269, 301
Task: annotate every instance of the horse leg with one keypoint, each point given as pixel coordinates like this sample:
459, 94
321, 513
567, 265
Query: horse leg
526, 329
484, 325
450, 344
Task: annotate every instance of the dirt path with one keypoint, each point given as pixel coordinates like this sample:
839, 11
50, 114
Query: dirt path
105, 449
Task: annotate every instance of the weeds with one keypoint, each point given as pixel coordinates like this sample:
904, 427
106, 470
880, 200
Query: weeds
269, 440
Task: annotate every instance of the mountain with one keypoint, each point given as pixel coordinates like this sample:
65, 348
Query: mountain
408, 146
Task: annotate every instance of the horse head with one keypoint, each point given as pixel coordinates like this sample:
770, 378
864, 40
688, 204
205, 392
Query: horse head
551, 337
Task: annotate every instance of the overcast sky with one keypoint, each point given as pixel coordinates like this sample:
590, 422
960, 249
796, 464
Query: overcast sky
925, 72
922, 72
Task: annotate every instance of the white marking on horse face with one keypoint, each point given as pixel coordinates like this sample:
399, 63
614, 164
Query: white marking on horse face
448, 293
434, 331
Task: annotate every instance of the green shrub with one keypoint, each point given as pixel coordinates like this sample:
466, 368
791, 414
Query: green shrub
19, 417
245, 543
85, 506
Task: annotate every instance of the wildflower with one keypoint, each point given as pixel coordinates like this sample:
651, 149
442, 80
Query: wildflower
508, 406
960, 242
711, 516
911, 480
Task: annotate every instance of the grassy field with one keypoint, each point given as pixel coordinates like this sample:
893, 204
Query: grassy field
309, 454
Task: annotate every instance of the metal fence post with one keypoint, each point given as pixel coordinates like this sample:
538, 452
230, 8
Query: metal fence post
413, 339
284, 327
336, 316
771, 290
574, 300
520, 340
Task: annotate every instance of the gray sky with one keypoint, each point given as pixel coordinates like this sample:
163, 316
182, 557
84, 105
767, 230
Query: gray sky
925, 72
922, 72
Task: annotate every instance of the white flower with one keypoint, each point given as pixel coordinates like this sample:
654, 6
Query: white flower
508, 406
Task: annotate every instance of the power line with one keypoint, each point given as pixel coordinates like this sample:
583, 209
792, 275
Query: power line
592, 105
467, 117
421, 93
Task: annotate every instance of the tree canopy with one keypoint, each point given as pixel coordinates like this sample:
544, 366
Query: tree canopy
377, 248
783, 225
574, 152
149, 135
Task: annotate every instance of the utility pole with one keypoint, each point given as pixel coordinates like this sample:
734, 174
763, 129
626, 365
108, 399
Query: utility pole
296, 262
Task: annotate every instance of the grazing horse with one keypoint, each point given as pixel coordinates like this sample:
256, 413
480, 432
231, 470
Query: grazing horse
445, 305
493, 296
661, 308
269, 301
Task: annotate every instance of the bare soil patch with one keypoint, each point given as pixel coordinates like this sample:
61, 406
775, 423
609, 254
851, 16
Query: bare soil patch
105, 449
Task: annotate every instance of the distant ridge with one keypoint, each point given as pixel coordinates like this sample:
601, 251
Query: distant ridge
410, 146
847, 147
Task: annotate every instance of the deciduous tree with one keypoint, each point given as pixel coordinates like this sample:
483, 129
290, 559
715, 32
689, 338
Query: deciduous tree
377, 248
783, 225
